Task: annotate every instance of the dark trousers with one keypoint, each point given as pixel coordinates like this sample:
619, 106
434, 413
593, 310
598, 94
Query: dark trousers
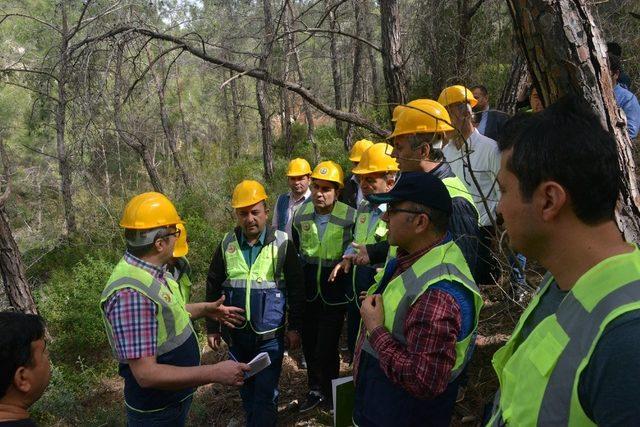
486, 264
260, 392
320, 337
171, 416
353, 326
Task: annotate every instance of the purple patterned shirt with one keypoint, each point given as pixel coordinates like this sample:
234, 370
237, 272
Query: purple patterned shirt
133, 316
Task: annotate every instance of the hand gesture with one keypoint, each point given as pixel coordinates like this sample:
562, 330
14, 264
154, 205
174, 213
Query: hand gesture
343, 266
230, 316
361, 257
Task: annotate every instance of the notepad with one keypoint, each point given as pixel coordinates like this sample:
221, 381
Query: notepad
257, 364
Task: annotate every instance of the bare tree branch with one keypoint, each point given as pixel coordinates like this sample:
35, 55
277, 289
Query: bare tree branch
255, 73
323, 30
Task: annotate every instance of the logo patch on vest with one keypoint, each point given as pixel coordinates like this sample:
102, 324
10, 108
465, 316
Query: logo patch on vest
231, 249
166, 296
306, 227
363, 219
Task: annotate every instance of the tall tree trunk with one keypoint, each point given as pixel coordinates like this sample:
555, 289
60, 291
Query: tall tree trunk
284, 94
236, 111
136, 144
392, 62
516, 86
168, 129
61, 122
308, 114
373, 66
335, 64
261, 92
12, 268
567, 55
357, 66
464, 33
265, 125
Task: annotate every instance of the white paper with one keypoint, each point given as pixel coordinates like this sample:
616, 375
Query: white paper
258, 363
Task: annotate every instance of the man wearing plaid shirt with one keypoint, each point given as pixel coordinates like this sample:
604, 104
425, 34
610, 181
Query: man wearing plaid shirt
149, 325
419, 321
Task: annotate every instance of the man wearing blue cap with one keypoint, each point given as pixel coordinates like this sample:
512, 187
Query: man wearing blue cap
419, 320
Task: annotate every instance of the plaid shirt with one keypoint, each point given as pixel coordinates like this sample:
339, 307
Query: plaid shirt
433, 322
133, 316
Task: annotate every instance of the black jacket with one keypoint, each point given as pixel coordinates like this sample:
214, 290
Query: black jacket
349, 194
495, 123
294, 282
463, 226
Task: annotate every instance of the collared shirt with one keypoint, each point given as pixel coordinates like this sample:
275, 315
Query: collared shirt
482, 126
484, 159
422, 367
321, 222
133, 317
293, 206
629, 104
251, 252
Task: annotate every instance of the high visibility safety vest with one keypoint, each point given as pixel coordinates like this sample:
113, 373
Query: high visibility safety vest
457, 188
366, 233
183, 277
174, 323
444, 262
324, 253
259, 289
539, 378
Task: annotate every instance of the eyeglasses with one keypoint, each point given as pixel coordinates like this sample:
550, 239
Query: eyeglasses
175, 233
393, 209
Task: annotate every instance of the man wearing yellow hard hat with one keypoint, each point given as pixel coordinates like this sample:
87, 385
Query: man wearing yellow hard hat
298, 178
377, 173
322, 230
469, 152
256, 268
149, 325
417, 138
351, 193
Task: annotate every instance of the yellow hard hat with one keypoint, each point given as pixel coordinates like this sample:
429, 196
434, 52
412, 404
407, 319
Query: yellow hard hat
455, 95
329, 171
247, 193
358, 148
396, 112
298, 167
149, 210
181, 247
421, 116
376, 159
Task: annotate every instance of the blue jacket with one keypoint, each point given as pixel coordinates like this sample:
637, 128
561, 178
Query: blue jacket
629, 104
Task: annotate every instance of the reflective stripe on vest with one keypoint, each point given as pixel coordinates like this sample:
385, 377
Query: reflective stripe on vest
366, 234
457, 188
174, 324
325, 253
548, 364
328, 251
266, 272
444, 262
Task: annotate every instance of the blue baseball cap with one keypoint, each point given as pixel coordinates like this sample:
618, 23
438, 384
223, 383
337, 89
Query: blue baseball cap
418, 187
